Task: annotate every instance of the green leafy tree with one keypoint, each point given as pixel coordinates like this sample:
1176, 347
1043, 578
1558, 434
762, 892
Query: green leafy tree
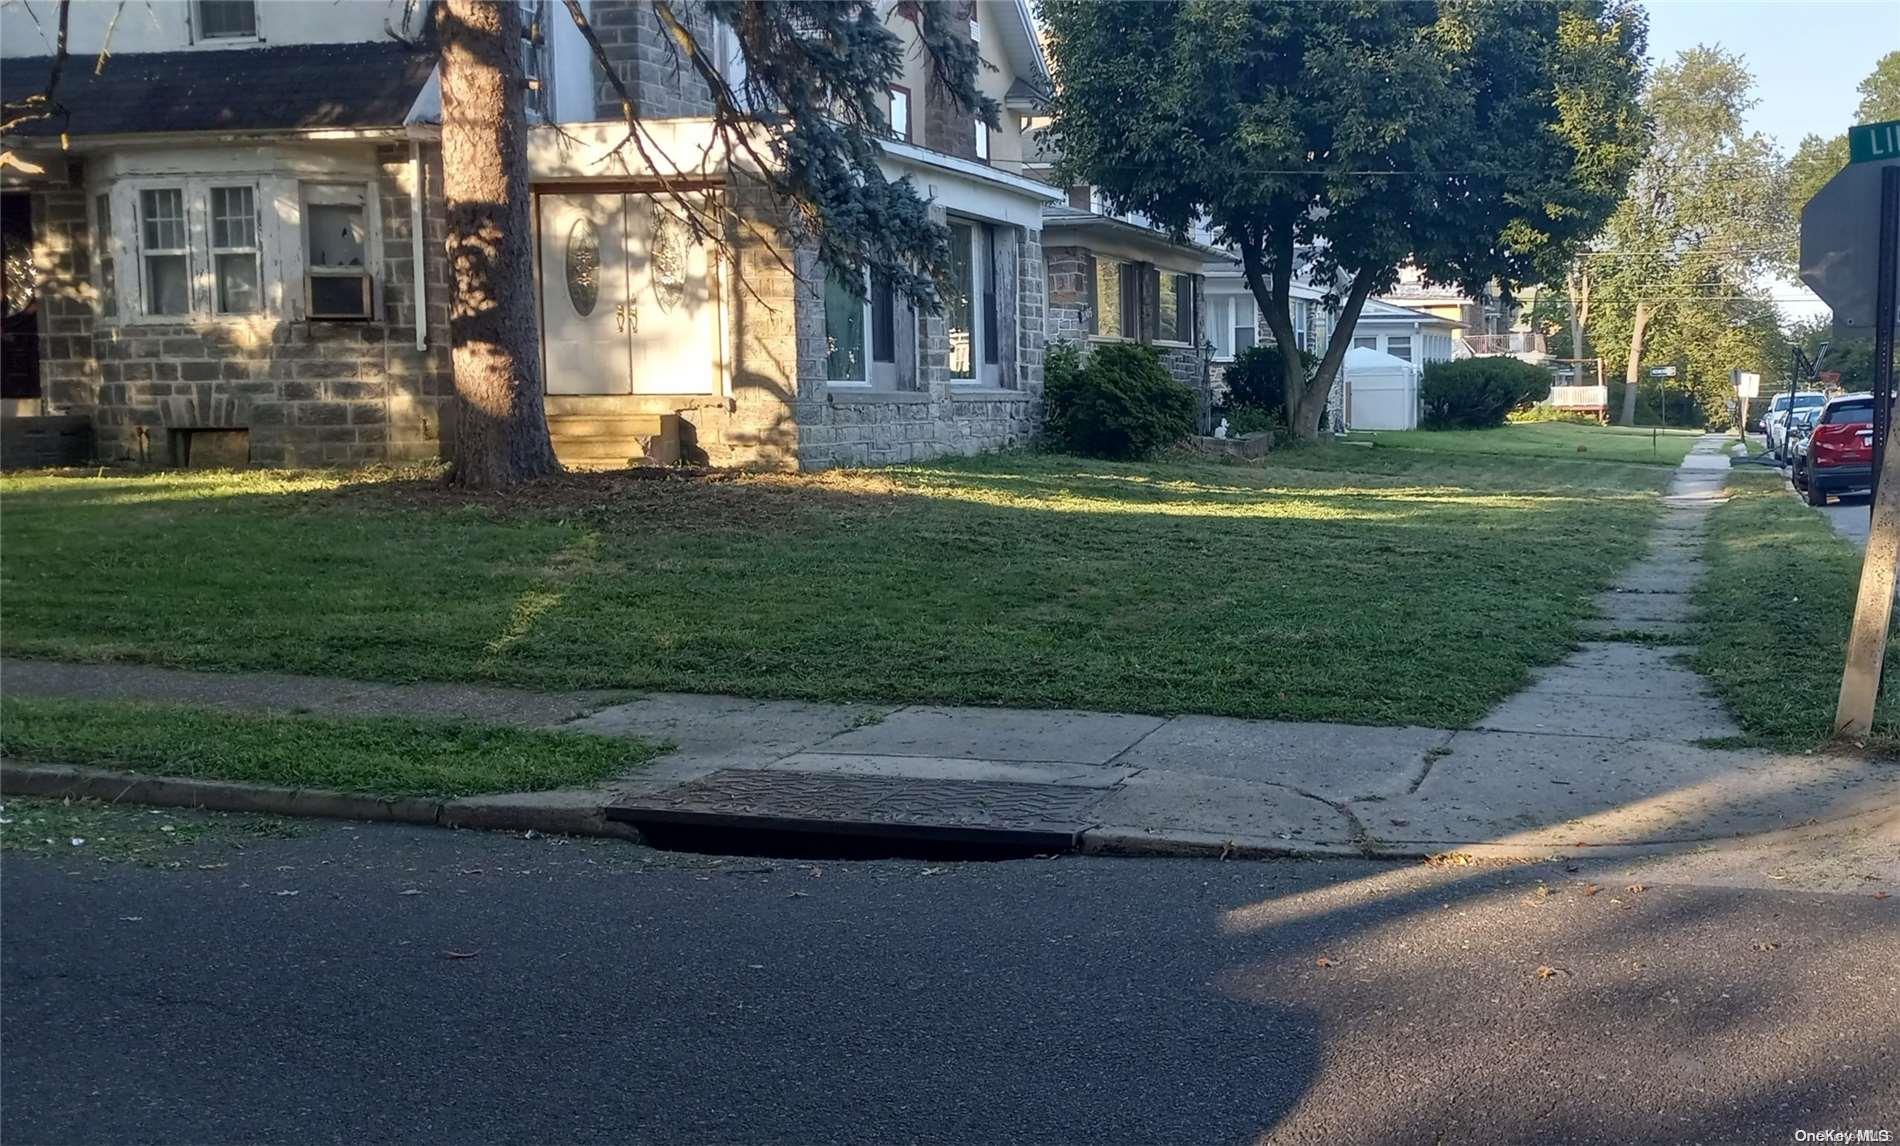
1818, 159
1480, 140
1705, 215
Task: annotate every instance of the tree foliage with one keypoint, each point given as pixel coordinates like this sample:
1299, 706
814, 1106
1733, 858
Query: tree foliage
1704, 222
807, 118
1479, 140
1257, 378
1818, 158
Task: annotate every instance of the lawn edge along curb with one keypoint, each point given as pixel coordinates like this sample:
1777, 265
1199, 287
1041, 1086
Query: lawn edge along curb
502, 812
521, 812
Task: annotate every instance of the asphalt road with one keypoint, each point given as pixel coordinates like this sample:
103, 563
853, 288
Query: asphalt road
392, 984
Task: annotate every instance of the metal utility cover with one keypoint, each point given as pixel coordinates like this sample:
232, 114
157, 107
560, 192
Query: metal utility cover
1840, 244
1048, 816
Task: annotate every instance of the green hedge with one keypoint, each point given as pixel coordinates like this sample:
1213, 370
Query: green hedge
1477, 393
1120, 403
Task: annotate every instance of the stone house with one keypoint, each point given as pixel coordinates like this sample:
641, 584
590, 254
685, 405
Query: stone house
239, 252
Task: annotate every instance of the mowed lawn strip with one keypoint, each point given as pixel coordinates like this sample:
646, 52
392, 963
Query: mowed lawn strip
380, 756
1774, 615
1332, 583
1642, 445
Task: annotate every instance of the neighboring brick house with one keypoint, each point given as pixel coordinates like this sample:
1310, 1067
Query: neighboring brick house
226, 252
1111, 280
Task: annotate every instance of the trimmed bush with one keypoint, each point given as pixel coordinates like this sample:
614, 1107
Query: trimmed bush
1477, 393
1121, 403
1257, 377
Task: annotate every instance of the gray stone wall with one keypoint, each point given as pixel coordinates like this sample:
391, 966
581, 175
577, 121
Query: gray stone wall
62, 270
934, 416
661, 81
1068, 314
308, 393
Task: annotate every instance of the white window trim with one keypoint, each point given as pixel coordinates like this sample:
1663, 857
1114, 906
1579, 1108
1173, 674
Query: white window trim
321, 192
878, 375
982, 140
983, 375
893, 94
145, 253
198, 37
255, 250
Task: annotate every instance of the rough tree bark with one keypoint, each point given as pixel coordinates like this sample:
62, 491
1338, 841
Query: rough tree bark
1272, 290
1633, 370
501, 429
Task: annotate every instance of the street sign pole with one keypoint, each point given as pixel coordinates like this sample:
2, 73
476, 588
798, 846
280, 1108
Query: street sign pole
1873, 608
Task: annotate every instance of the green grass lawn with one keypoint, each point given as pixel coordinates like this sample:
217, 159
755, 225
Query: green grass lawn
1332, 583
1775, 611
1551, 440
381, 756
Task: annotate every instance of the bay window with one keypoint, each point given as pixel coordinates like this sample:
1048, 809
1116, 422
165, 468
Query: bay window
165, 250
234, 252
108, 263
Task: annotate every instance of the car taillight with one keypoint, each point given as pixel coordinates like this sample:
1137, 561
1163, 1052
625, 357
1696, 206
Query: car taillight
1830, 441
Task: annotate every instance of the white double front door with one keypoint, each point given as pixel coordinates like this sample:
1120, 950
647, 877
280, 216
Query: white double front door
629, 300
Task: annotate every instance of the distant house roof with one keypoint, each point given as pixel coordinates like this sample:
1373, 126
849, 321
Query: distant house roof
303, 86
1025, 96
1377, 310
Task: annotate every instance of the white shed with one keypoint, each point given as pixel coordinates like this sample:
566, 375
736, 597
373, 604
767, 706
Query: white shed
1381, 391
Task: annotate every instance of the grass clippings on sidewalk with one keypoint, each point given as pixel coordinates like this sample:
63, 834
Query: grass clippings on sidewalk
1774, 615
378, 756
1388, 586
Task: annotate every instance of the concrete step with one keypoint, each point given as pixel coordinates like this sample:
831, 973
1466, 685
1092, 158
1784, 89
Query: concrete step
606, 425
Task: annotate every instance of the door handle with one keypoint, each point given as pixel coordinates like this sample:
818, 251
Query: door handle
624, 313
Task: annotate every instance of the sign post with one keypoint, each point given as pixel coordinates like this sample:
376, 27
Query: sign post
1747, 385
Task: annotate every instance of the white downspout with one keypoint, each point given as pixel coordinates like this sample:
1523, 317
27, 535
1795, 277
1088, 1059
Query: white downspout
420, 272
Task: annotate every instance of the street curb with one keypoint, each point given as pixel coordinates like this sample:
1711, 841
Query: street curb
25, 778
523, 813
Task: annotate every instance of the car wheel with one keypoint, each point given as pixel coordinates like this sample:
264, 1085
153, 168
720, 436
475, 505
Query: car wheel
1816, 495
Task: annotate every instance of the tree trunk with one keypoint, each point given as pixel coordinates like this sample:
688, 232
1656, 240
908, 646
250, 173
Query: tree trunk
1321, 384
1273, 293
1577, 287
1633, 371
501, 428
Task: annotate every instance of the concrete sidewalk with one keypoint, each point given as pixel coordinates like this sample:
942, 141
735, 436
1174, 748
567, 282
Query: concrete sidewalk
1601, 751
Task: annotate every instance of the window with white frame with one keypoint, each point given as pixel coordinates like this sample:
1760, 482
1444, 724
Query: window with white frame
900, 112
1300, 311
1365, 341
1217, 330
108, 264
1246, 325
861, 333
983, 141
236, 268
164, 252
227, 19
336, 250
1399, 346
973, 309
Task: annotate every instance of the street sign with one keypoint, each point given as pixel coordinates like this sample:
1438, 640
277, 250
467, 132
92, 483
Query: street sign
1839, 254
1662, 371
1747, 384
1873, 142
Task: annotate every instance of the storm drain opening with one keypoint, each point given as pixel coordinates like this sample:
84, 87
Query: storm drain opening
808, 815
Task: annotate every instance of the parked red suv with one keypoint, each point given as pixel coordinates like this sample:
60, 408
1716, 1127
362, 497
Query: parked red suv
1840, 453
